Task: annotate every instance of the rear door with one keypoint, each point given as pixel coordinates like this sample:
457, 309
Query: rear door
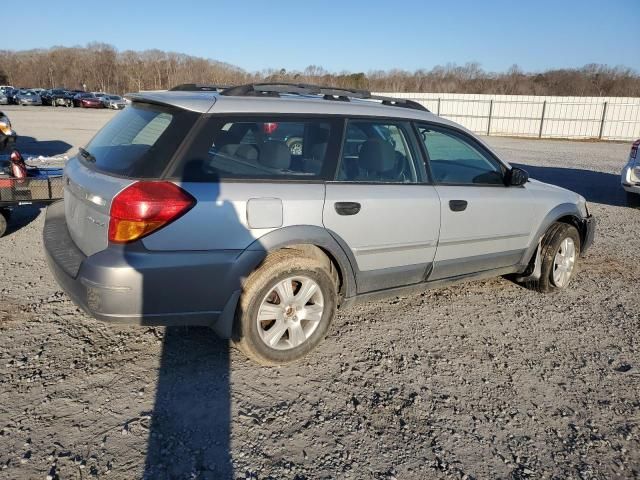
485, 224
381, 206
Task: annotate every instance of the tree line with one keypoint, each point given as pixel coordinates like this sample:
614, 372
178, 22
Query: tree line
101, 67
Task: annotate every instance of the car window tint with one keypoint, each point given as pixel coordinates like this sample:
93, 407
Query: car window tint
454, 160
140, 141
269, 148
377, 152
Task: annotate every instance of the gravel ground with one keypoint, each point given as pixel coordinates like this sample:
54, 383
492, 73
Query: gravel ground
482, 380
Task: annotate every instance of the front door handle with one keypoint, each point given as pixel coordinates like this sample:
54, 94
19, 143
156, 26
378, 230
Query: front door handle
457, 205
347, 208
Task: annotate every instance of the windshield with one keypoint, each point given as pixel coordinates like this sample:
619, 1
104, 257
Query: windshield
140, 141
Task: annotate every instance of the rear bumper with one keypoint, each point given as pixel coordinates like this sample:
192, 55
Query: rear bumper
133, 285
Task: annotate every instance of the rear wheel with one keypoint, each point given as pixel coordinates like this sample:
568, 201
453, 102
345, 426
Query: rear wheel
633, 200
559, 256
286, 307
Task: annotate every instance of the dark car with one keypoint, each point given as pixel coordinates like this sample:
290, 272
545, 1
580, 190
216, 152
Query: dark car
60, 97
13, 94
8, 136
87, 100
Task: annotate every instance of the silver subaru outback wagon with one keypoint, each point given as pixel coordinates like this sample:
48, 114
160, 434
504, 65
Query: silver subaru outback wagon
259, 210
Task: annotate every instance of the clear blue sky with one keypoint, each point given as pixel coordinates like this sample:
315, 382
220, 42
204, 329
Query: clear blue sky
347, 35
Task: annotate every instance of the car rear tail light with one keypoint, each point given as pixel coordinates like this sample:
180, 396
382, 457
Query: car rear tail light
634, 149
269, 127
145, 207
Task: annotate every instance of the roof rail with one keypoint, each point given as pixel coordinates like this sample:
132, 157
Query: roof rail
198, 87
328, 93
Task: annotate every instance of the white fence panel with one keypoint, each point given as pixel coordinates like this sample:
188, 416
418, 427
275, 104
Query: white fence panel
606, 118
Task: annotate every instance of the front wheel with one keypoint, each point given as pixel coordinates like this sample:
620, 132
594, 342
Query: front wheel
286, 307
559, 256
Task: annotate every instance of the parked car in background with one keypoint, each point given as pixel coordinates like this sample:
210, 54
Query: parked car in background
7, 134
115, 102
630, 177
28, 97
12, 95
191, 210
4, 100
61, 98
87, 100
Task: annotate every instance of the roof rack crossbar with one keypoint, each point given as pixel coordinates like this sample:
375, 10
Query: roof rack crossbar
198, 87
328, 93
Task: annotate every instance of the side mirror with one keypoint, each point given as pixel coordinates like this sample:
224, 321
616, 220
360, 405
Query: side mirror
517, 177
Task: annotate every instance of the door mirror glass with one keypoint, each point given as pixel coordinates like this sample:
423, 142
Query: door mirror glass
518, 177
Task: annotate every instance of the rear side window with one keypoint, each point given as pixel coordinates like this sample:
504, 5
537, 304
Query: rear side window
262, 147
140, 141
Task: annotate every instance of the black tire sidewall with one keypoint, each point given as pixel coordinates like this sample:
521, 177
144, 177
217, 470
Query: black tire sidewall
248, 319
4, 221
633, 199
551, 249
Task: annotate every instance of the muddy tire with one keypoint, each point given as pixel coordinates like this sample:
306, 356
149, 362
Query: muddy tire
559, 255
286, 307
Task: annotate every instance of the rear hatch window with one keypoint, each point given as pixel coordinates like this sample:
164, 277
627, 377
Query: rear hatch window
139, 142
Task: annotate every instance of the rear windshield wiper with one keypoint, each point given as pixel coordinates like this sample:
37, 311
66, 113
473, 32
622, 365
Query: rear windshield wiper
87, 156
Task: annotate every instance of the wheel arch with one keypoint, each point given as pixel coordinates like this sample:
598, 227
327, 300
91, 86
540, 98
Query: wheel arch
314, 240
564, 213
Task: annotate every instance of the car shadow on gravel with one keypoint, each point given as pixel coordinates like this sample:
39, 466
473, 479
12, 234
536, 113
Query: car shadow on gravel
47, 148
191, 420
22, 216
190, 431
597, 187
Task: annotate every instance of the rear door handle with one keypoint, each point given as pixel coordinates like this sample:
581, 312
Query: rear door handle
347, 208
458, 205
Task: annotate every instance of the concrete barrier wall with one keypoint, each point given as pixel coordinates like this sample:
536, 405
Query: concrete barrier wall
606, 118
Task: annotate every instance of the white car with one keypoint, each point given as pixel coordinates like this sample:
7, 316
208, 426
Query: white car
115, 102
631, 176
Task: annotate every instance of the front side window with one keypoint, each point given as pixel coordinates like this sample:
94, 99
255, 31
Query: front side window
377, 151
454, 160
262, 148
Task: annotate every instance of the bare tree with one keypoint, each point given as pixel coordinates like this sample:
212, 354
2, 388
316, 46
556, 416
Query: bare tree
101, 67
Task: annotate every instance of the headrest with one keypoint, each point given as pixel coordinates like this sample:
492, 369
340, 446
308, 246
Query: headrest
248, 152
275, 154
377, 155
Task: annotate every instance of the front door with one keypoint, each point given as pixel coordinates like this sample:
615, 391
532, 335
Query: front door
485, 224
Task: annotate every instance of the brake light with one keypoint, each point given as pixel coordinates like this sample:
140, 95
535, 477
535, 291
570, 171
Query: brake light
145, 207
269, 127
634, 149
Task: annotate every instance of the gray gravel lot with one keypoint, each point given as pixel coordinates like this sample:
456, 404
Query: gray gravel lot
482, 380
